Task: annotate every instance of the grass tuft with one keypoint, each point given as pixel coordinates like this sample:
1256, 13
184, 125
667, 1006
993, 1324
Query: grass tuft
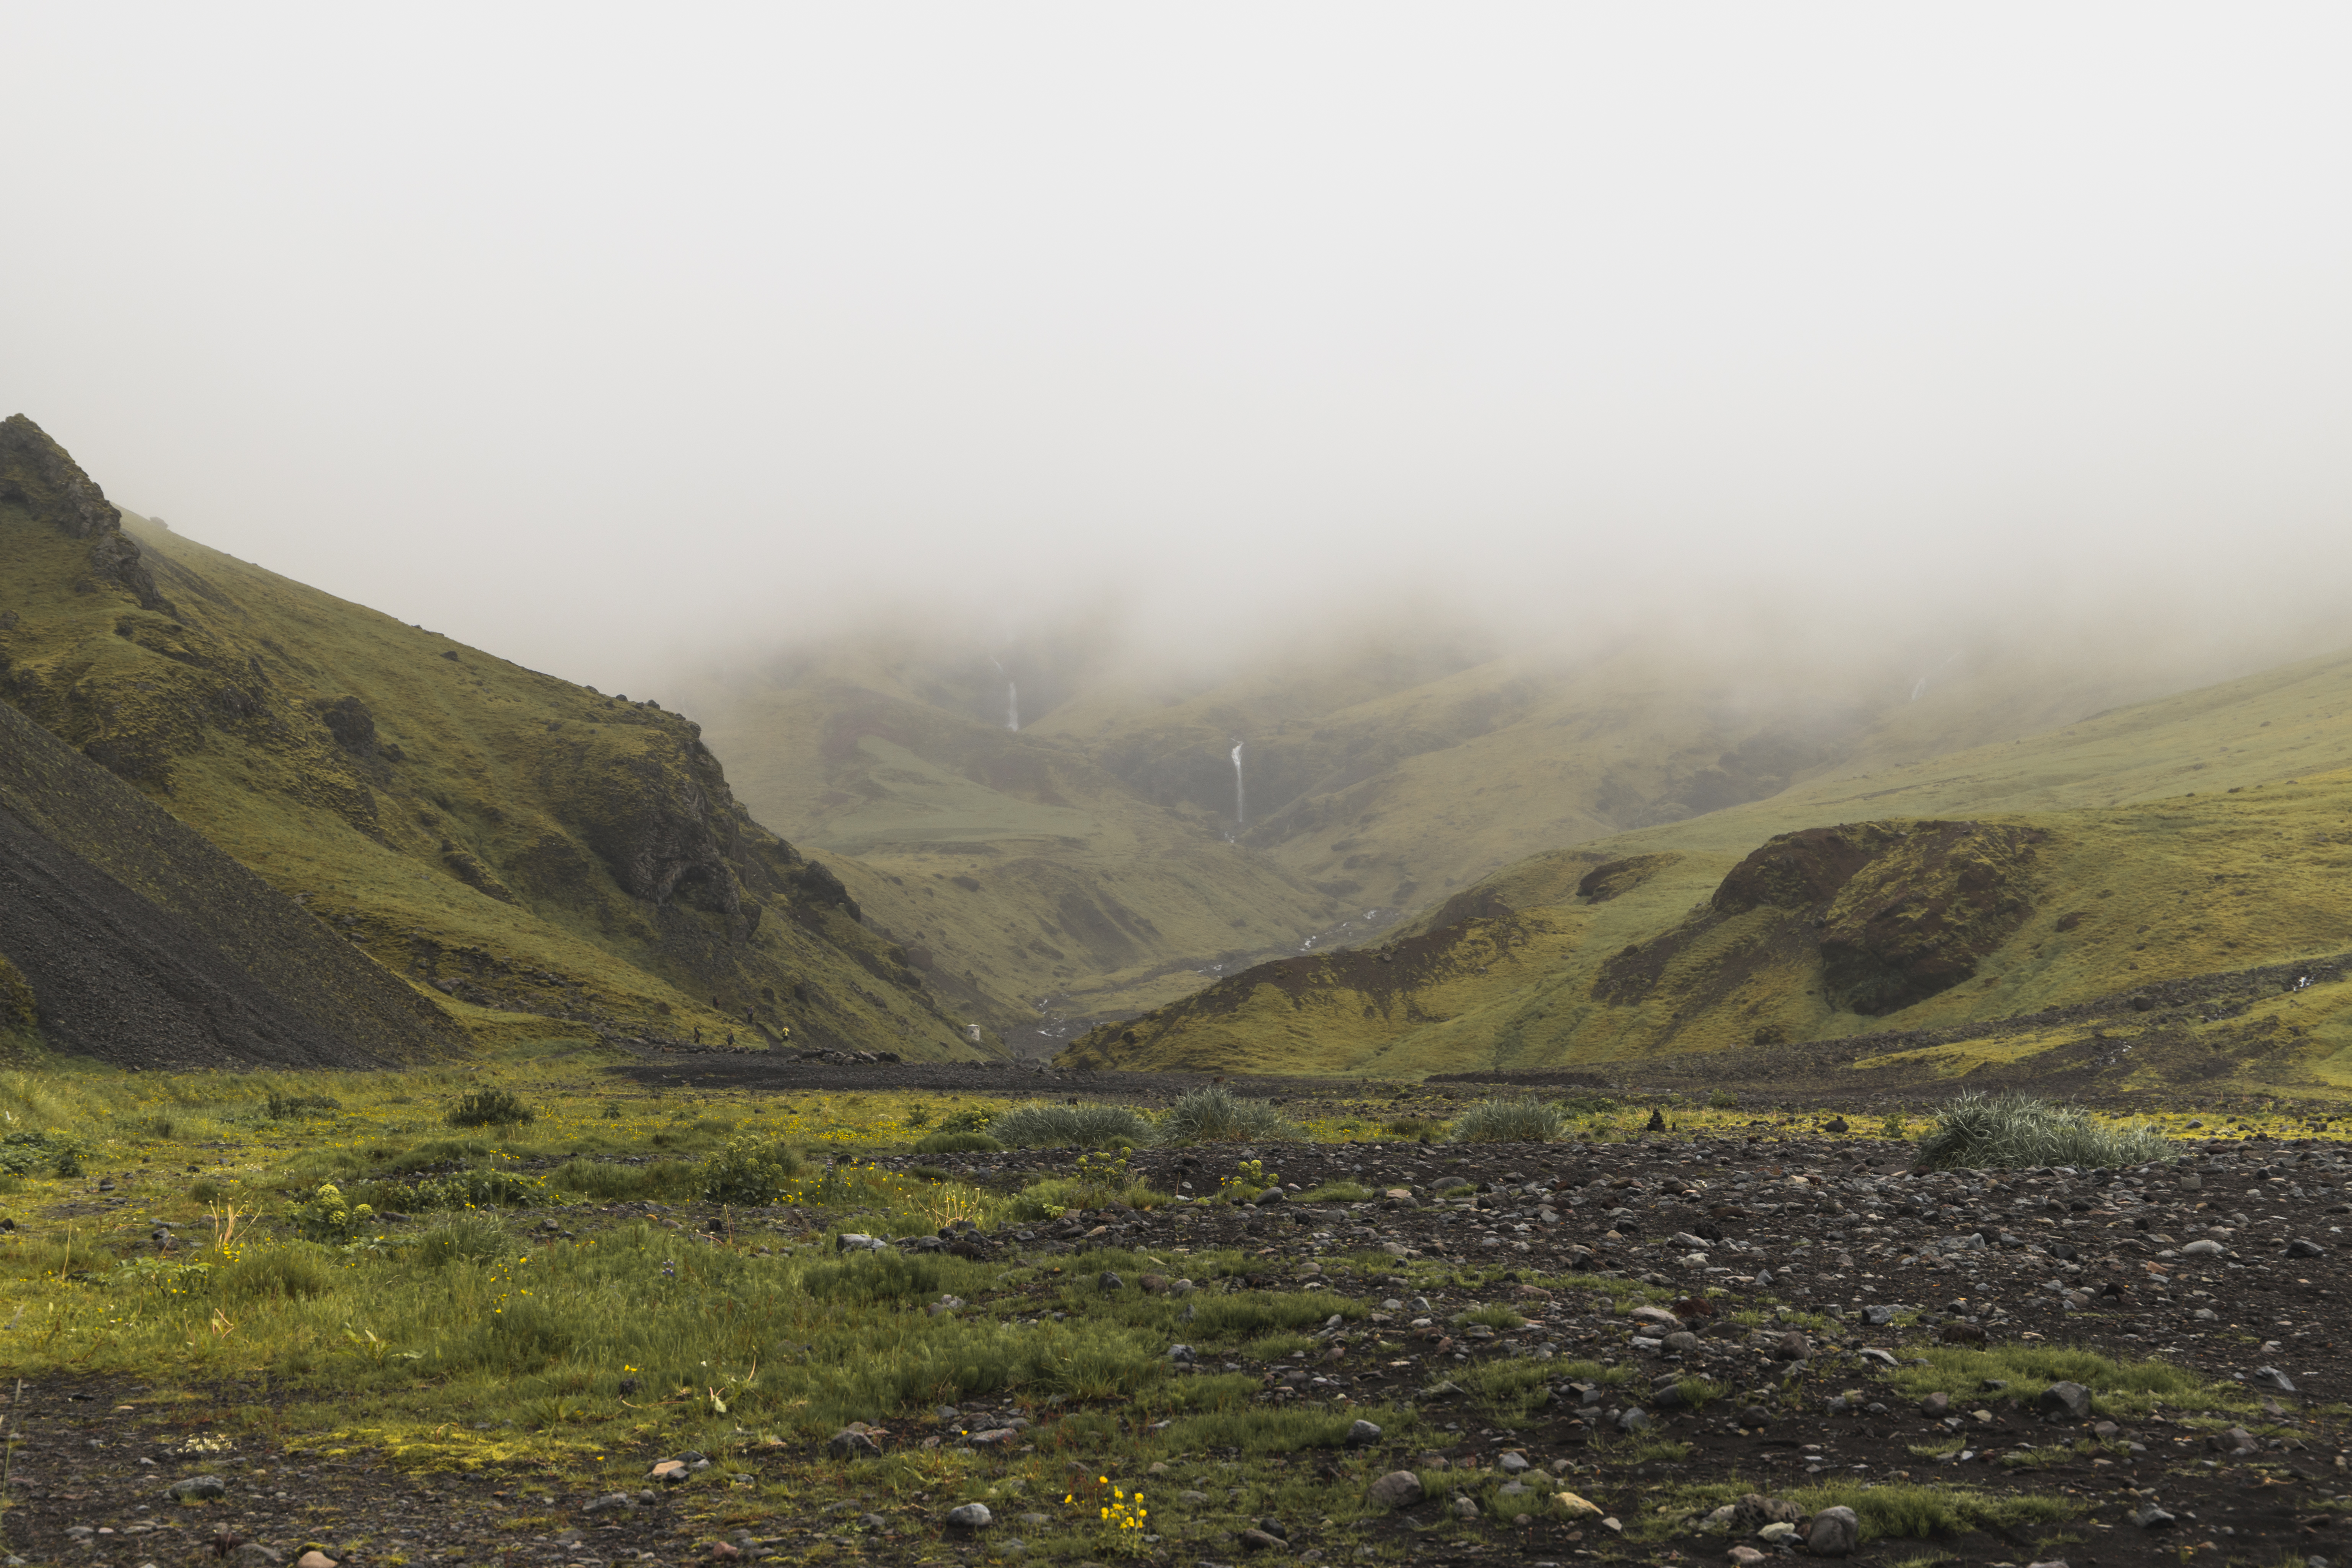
751, 1171
1215, 1114
1980, 1131
481, 1108
1515, 1121
1070, 1127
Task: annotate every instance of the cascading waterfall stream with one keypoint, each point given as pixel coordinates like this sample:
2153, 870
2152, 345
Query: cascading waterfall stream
1240, 800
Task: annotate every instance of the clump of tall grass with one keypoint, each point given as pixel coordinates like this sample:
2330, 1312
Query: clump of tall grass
1215, 1114
1070, 1127
1980, 1131
490, 1108
1521, 1120
751, 1171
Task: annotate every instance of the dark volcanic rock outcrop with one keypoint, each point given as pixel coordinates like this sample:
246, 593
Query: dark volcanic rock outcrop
36, 474
1896, 912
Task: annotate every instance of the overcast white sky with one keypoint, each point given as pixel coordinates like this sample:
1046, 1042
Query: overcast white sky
599, 335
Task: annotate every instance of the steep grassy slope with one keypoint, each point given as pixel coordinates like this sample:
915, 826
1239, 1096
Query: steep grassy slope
1121, 866
1714, 933
531, 849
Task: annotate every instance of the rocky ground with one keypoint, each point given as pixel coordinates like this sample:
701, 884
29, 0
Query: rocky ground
1685, 1324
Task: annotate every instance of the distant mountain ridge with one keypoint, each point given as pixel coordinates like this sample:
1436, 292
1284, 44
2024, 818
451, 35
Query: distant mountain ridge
2200, 833
1098, 861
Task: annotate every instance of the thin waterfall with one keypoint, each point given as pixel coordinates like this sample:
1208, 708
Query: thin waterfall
1012, 696
1241, 799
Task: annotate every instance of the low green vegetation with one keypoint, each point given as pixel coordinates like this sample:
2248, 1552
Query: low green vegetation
1984, 1131
958, 1143
1215, 1114
1038, 1126
1508, 1120
2117, 1387
1336, 1193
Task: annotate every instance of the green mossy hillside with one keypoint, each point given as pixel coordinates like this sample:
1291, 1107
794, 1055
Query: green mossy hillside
1907, 926
520, 847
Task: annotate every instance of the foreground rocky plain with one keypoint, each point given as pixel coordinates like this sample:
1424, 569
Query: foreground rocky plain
1726, 1336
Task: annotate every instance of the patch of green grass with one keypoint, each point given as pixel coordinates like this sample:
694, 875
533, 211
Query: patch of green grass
1336, 1193
958, 1143
608, 1182
1886, 1509
1220, 1319
1499, 1318
2117, 1387
1280, 1430
1277, 1347
1071, 1127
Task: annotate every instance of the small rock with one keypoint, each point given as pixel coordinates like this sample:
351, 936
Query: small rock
1755, 1416
2202, 1249
1878, 1317
1575, 1507
2067, 1401
197, 1487
2153, 1518
1745, 1556
857, 1241
2272, 1377
1657, 1315
1181, 1355
1755, 1510
970, 1516
1258, 1540
2302, 1248
1271, 1195
1936, 1407
847, 1443
668, 1470
1513, 1464
1362, 1433
314, 1559
2050, 1562
1792, 1346
1779, 1531
1109, 1281
1465, 1509
1634, 1420
1397, 1488
611, 1503
1834, 1532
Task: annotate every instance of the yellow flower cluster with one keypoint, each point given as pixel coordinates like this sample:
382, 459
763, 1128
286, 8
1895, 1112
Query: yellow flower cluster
1121, 1512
